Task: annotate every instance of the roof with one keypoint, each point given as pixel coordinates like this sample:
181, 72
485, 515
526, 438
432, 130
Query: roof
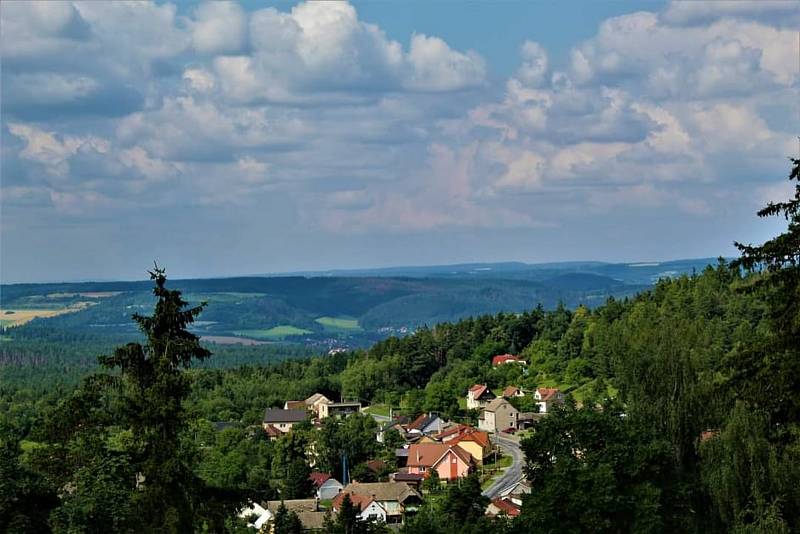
421, 422
382, 491
503, 358
428, 454
510, 391
272, 431
312, 520
454, 430
494, 404
276, 415
376, 466
478, 436
478, 390
295, 405
407, 477
319, 478
547, 394
359, 500
316, 397
506, 506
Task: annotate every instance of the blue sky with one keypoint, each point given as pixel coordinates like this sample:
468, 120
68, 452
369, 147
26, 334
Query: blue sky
225, 139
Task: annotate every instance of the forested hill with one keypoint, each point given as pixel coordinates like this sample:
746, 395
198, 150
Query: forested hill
353, 310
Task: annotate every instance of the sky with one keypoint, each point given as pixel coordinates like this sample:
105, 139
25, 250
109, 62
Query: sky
224, 139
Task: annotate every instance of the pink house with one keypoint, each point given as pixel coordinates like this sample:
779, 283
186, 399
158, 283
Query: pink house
449, 460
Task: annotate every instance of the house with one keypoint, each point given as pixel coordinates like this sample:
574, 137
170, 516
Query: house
397, 499
502, 359
513, 391
376, 466
282, 420
503, 507
498, 416
477, 396
516, 492
476, 443
369, 509
449, 461
548, 398
414, 480
425, 424
314, 401
327, 487
391, 425
338, 409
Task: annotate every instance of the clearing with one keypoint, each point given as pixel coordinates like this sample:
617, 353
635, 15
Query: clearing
276, 332
339, 323
17, 316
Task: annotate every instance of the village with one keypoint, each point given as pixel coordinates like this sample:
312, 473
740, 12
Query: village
429, 452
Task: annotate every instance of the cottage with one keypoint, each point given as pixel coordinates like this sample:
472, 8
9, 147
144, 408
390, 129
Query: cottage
548, 398
477, 396
308, 511
450, 461
282, 420
498, 416
476, 443
425, 424
315, 401
327, 487
369, 509
513, 391
503, 507
397, 499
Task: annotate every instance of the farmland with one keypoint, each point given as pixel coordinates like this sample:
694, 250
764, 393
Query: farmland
274, 333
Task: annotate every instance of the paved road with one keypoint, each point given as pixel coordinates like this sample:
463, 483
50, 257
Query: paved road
513, 474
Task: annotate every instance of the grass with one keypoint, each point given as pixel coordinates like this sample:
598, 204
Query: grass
16, 316
339, 323
223, 297
276, 332
378, 409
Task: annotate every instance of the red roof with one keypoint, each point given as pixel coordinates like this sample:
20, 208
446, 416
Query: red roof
360, 501
510, 391
503, 358
506, 506
478, 390
376, 466
478, 436
453, 431
272, 431
547, 393
319, 478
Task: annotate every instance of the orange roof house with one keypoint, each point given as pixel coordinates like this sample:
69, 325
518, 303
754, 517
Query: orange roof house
478, 395
450, 461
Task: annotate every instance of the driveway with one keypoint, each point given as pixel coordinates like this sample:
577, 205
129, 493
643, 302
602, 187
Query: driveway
513, 474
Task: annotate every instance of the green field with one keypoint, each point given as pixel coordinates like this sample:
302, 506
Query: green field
228, 297
339, 323
276, 332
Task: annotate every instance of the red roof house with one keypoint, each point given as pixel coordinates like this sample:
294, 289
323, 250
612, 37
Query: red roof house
500, 359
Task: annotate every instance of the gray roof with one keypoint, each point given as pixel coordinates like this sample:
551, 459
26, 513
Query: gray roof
277, 415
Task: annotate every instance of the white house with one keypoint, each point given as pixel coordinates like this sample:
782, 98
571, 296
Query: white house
547, 398
371, 510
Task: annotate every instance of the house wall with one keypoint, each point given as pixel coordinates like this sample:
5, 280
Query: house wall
474, 449
373, 513
451, 467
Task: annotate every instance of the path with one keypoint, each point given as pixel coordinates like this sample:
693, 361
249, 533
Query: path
513, 474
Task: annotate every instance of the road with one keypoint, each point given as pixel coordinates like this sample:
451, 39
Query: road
513, 474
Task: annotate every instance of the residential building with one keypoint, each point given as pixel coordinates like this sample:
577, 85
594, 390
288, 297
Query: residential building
502, 359
449, 461
513, 391
308, 511
548, 398
315, 401
338, 409
398, 499
477, 396
327, 486
425, 424
294, 405
476, 443
391, 425
283, 420
498, 416
501, 506
369, 508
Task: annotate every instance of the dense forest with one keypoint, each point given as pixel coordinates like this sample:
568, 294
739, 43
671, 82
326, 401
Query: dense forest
682, 414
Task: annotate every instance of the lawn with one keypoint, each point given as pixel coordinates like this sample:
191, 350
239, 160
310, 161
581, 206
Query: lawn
276, 332
223, 297
339, 323
378, 409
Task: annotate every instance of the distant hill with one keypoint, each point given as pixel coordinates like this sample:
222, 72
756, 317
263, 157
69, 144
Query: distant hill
333, 309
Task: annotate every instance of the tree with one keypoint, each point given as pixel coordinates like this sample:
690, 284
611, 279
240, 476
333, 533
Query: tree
297, 484
150, 471
286, 522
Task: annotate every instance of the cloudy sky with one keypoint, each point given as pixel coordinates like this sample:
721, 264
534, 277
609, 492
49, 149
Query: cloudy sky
225, 139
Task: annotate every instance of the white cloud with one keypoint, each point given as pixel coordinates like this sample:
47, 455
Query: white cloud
219, 28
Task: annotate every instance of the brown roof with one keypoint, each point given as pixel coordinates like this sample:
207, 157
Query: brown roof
382, 491
478, 436
547, 393
376, 466
453, 431
494, 404
312, 520
503, 358
427, 455
360, 501
276, 415
506, 506
510, 391
319, 478
478, 390
293, 505
272, 431
295, 405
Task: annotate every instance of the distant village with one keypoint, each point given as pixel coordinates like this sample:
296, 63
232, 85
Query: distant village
432, 449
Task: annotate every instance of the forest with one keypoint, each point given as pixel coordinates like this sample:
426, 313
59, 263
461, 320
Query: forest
682, 414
